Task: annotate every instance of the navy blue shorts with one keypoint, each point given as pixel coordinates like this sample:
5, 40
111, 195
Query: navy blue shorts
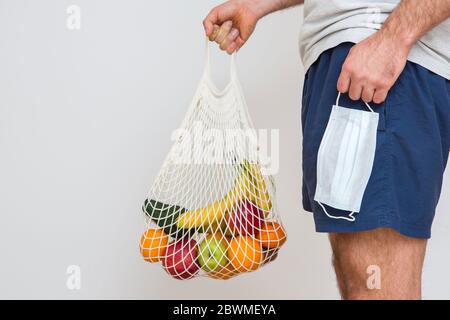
413, 141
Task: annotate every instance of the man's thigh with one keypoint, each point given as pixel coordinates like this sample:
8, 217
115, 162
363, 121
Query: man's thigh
361, 258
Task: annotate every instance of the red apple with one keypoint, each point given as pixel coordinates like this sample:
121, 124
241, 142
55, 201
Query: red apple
180, 260
245, 219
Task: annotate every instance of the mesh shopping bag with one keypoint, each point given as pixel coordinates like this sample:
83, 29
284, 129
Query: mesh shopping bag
211, 210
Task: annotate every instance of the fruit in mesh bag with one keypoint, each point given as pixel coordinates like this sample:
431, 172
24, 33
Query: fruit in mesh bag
212, 253
245, 253
245, 219
221, 228
257, 190
225, 273
270, 255
250, 184
272, 235
153, 245
165, 216
180, 260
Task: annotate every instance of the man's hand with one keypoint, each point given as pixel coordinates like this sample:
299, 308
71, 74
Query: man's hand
373, 65
232, 23
371, 68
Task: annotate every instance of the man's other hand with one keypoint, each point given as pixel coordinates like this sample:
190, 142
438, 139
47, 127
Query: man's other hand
372, 67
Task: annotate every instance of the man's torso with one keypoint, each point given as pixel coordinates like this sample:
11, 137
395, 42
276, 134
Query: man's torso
328, 23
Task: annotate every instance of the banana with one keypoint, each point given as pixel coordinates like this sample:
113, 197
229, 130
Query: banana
204, 217
213, 214
249, 185
258, 191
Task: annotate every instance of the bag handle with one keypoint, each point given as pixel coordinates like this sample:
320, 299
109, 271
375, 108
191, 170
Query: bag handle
207, 71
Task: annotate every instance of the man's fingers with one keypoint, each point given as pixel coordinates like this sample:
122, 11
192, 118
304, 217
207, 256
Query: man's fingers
239, 42
367, 94
343, 83
217, 16
209, 22
380, 95
232, 47
234, 33
208, 26
224, 30
355, 90
214, 33
232, 41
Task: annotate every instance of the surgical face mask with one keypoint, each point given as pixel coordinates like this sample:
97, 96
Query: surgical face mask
345, 159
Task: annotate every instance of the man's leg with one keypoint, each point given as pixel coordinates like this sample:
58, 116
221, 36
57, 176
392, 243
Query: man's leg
399, 258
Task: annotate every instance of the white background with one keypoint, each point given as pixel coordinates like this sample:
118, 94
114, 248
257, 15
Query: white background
85, 122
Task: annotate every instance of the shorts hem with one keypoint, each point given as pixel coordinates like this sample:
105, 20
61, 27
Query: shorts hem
324, 226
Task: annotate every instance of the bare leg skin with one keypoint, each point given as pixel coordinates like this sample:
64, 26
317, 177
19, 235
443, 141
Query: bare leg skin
384, 254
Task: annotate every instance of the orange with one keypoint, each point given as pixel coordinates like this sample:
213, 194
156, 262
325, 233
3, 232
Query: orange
245, 253
225, 273
272, 235
153, 245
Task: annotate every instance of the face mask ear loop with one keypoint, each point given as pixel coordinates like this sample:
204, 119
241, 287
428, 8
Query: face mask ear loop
367, 105
350, 217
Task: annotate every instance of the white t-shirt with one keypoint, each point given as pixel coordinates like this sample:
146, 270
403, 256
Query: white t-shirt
327, 23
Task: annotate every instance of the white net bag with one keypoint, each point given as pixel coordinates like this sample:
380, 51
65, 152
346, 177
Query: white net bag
212, 211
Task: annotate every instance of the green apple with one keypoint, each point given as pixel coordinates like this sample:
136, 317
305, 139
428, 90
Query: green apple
212, 254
